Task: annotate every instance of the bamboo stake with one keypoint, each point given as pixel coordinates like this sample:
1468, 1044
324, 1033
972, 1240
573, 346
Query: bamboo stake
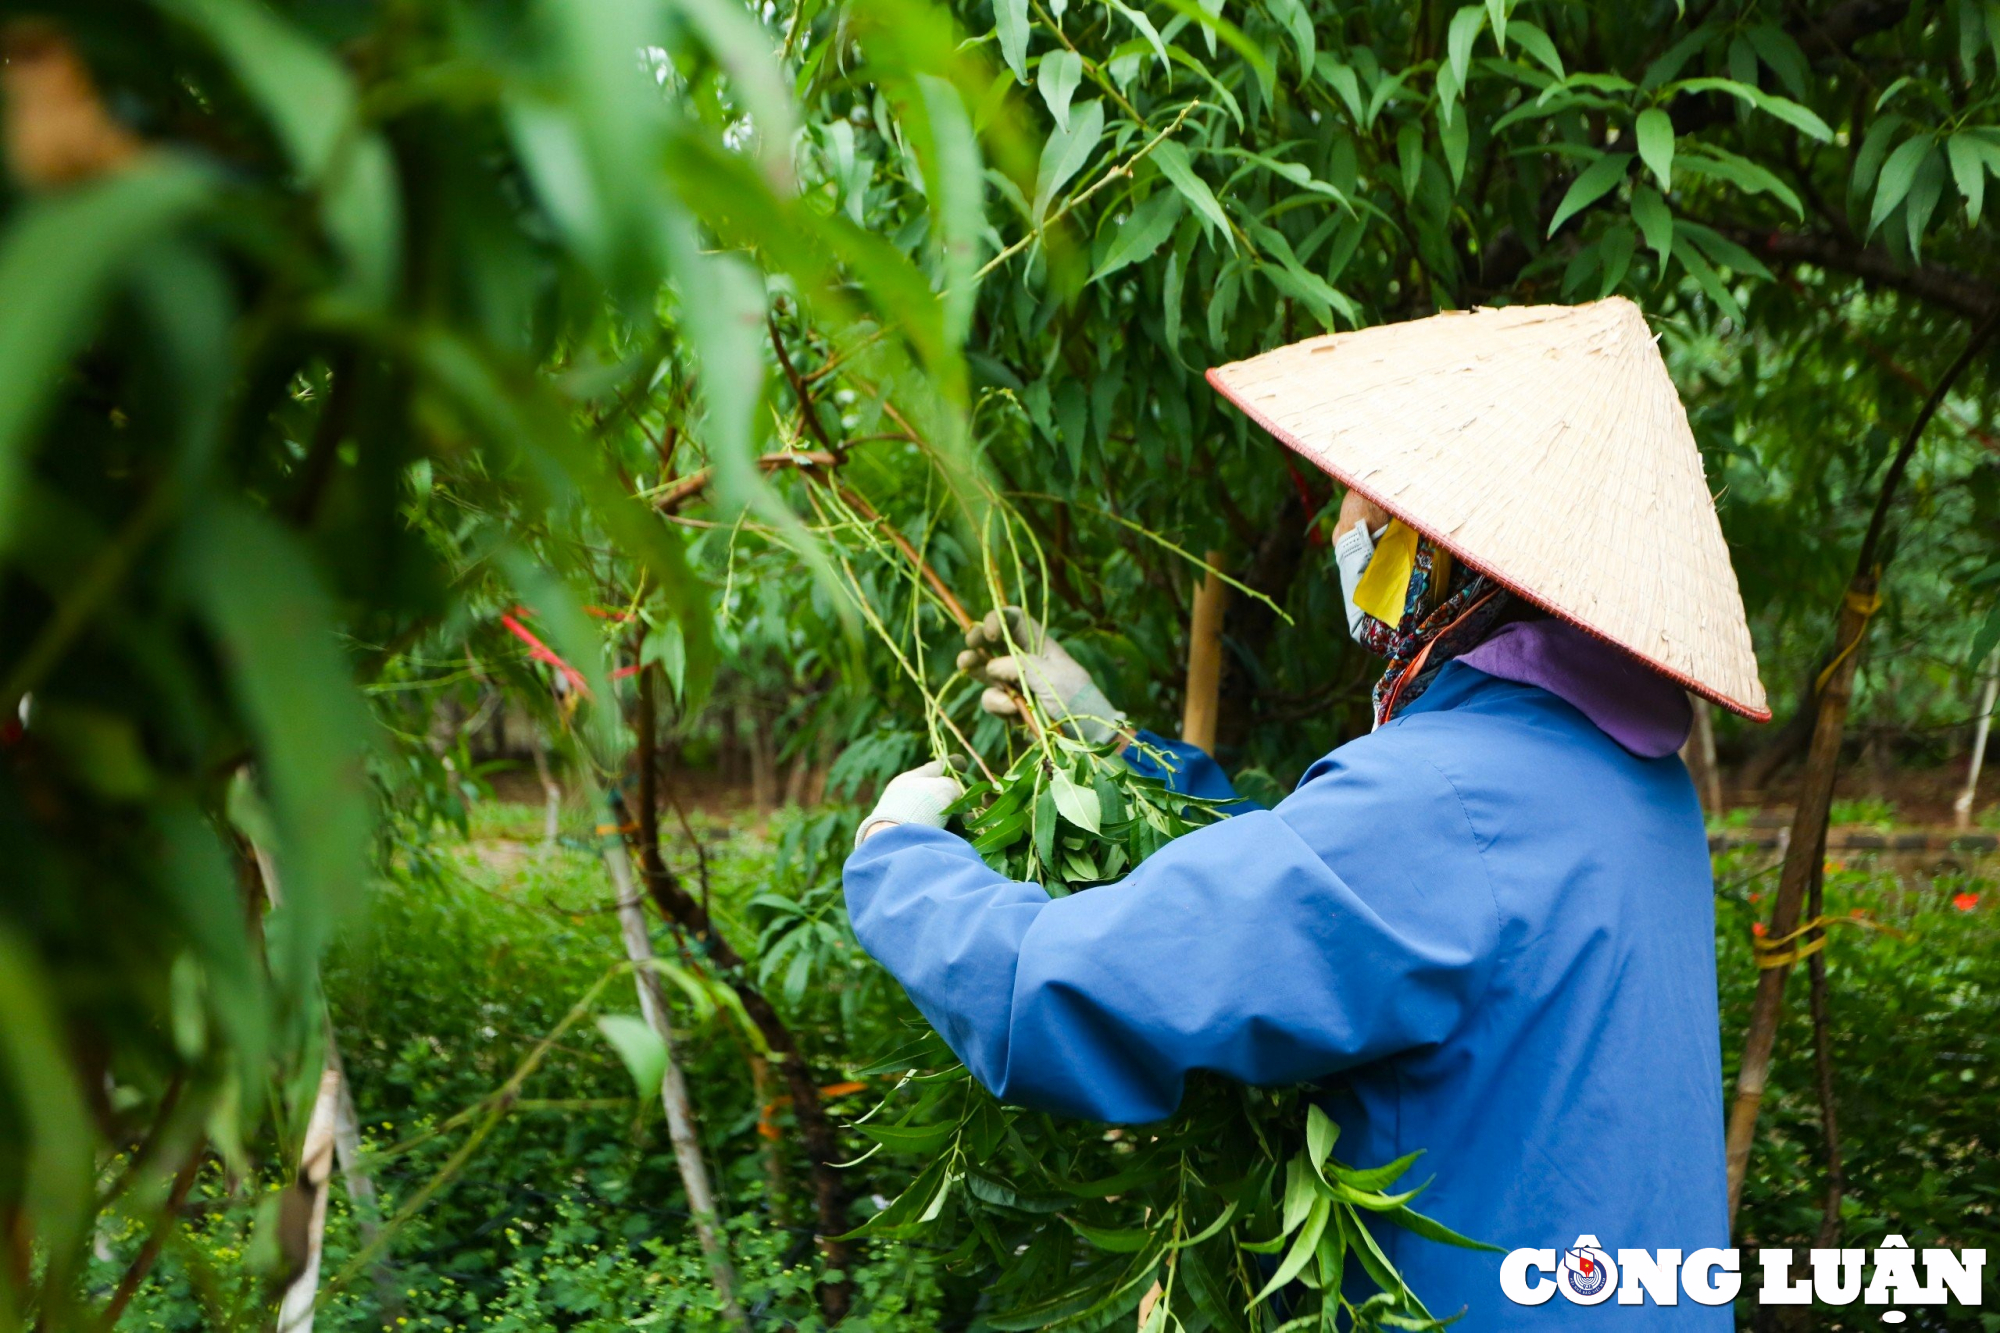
1829, 1109
295, 1311
1806, 852
1204, 676
673, 1084
1699, 756
1982, 727
551, 792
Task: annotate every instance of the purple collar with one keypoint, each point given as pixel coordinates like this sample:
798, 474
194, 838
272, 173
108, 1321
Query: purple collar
1632, 704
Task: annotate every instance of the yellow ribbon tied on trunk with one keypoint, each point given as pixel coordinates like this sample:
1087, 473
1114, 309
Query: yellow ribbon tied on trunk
1384, 588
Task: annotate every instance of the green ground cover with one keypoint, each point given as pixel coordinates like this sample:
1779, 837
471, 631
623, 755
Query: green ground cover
570, 1215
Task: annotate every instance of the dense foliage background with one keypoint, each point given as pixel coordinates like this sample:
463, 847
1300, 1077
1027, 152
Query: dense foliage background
391, 391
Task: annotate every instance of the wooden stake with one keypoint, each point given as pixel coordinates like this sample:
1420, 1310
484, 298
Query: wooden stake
295, 1311
1982, 727
1699, 755
1204, 677
673, 1084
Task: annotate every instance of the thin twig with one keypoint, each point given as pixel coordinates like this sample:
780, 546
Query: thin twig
1119, 172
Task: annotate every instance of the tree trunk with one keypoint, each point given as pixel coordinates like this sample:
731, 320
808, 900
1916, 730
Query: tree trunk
763, 762
1271, 569
1804, 855
1982, 727
776, 1187
673, 1084
816, 1133
1204, 673
646, 759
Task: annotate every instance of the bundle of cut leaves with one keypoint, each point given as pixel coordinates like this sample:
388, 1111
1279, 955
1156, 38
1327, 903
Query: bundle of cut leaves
1236, 1209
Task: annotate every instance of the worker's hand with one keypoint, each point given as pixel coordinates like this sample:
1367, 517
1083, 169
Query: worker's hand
920, 796
1356, 508
1036, 662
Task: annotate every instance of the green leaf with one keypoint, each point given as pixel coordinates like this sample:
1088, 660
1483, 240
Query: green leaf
1057, 79
1321, 1133
1077, 803
1010, 19
1726, 252
1045, 828
1377, 1177
1303, 1247
53, 1117
1874, 147
1173, 162
1124, 1240
1138, 19
276, 633
1433, 1230
1298, 23
955, 183
1711, 283
1655, 132
1410, 151
1456, 139
1067, 151
1968, 171
1923, 198
916, 1140
644, 1054
741, 46
1592, 183
1615, 247
1719, 164
1987, 638
1536, 43
310, 101
1899, 173
59, 262
1344, 83
1464, 30
1781, 54
1208, 14
1801, 118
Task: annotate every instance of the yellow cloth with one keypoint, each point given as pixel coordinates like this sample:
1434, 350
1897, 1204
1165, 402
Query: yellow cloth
1385, 584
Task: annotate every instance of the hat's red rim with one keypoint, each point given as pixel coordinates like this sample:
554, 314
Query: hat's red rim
1291, 441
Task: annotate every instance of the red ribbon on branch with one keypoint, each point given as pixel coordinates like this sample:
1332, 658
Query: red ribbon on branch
541, 652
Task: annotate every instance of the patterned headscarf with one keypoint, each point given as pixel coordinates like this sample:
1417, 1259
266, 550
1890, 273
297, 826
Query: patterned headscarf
1435, 627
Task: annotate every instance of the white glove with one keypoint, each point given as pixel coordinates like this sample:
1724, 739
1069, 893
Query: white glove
1040, 664
920, 796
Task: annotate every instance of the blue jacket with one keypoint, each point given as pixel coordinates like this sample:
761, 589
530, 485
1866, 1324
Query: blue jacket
1490, 921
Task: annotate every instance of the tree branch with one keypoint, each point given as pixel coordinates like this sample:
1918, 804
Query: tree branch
1961, 293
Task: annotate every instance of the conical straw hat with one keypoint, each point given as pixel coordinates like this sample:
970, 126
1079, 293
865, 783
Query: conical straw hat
1543, 445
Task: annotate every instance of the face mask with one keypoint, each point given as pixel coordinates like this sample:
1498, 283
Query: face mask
1351, 555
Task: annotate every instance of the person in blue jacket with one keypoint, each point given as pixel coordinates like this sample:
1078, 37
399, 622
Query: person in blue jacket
1487, 927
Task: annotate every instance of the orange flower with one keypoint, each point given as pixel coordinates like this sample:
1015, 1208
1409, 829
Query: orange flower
1757, 929
1756, 897
1833, 867
1965, 902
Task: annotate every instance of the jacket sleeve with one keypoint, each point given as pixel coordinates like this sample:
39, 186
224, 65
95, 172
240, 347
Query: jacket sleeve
1185, 768
1353, 922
